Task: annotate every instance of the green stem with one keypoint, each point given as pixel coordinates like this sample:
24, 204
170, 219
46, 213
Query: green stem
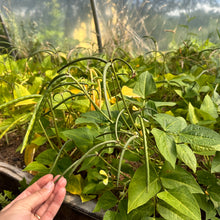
88, 96
74, 166
113, 168
130, 67
119, 108
81, 59
145, 152
48, 139
55, 123
123, 100
105, 90
58, 156
116, 124
122, 156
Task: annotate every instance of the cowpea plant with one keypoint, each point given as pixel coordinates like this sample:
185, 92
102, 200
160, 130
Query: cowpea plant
145, 158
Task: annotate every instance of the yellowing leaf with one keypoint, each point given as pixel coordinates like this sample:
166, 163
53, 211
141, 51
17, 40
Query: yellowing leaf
26, 102
20, 91
75, 91
169, 113
169, 76
75, 185
129, 92
86, 198
192, 115
29, 153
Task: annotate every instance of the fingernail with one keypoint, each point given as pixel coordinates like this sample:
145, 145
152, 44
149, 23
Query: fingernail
49, 185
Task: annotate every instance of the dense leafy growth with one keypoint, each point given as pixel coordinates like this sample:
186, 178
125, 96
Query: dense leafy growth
141, 134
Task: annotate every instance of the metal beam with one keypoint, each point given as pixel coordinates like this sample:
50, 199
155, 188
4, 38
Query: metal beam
97, 29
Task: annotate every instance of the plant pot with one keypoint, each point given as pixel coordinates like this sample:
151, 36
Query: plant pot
72, 207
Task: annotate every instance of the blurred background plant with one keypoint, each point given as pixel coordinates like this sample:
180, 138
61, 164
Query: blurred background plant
133, 26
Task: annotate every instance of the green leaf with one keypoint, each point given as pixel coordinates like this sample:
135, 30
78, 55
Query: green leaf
36, 85
145, 85
137, 191
199, 116
94, 188
5, 198
202, 136
209, 107
83, 137
143, 211
216, 163
206, 178
91, 117
183, 201
89, 162
109, 215
173, 178
39, 140
170, 123
168, 212
47, 157
185, 154
9, 194
81, 105
206, 205
106, 201
36, 166
166, 145
150, 109
121, 212
203, 150
214, 192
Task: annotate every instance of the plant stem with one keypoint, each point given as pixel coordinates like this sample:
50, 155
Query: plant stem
48, 139
122, 156
123, 100
116, 124
58, 156
55, 123
81, 59
88, 96
105, 90
145, 152
105, 161
74, 166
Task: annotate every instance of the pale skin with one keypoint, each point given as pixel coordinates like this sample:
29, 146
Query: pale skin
43, 199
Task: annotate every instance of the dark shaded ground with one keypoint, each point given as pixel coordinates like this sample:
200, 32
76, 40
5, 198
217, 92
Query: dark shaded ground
8, 150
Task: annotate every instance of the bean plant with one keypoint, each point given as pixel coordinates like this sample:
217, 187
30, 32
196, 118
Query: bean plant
141, 135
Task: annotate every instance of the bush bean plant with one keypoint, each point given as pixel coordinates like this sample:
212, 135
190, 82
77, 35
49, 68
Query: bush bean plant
139, 134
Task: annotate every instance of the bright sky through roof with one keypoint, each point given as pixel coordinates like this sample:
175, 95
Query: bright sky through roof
206, 7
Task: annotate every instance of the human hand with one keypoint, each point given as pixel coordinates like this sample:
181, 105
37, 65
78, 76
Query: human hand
41, 200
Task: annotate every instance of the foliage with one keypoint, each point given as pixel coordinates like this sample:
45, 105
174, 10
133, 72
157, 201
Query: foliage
141, 134
5, 198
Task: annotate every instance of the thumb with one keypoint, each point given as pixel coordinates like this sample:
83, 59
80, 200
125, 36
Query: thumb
37, 198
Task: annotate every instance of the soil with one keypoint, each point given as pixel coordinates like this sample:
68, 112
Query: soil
8, 149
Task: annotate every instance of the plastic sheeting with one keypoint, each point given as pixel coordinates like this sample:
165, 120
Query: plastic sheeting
132, 25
